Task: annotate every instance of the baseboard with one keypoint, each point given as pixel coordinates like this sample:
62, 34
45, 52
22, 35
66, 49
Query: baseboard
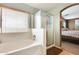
50, 46
58, 47
53, 45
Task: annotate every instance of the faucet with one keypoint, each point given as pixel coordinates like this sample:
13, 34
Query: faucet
34, 37
0, 41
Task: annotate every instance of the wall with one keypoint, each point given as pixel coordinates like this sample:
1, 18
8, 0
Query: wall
71, 24
38, 19
57, 30
77, 24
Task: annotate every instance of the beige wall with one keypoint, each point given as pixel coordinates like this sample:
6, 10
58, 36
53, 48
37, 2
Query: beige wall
57, 30
71, 24
77, 24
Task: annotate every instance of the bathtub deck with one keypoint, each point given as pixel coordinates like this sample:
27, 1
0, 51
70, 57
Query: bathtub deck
14, 46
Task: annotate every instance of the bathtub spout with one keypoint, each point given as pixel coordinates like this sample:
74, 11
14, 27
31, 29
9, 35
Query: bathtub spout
0, 42
34, 37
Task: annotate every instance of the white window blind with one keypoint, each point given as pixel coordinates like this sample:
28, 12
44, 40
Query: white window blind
14, 21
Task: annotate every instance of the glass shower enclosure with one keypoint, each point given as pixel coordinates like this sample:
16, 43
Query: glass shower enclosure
45, 22
49, 31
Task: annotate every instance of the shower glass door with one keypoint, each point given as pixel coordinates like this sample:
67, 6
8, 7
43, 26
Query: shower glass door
49, 31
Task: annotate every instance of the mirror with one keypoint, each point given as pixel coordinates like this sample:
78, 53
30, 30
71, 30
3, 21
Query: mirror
70, 16
71, 12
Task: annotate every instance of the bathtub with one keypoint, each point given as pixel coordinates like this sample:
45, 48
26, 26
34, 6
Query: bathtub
21, 47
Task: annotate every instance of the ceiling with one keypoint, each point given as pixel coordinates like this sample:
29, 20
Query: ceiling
47, 6
33, 7
21, 6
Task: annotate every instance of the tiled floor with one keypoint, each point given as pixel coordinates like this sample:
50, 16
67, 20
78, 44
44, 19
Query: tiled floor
71, 47
68, 48
54, 51
64, 52
57, 51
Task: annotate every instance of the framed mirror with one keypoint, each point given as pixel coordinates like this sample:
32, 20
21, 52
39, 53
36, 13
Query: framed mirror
70, 16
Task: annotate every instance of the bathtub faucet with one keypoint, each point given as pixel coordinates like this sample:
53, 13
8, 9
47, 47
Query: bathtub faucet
34, 37
0, 41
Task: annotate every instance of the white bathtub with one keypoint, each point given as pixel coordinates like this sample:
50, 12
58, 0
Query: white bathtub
22, 43
21, 47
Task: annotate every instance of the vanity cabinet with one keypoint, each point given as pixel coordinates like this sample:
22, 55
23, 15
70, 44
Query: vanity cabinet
13, 21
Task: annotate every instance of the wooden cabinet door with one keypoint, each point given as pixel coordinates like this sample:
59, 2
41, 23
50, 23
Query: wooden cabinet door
14, 21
